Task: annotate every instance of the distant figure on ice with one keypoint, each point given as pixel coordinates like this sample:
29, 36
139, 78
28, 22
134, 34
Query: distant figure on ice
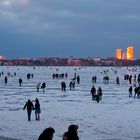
28, 76
47, 134
136, 91
37, 109
43, 86
93, 92
130, 79
130, 91
20, 81
38, 86
106, 79
5, 80
78, 79
29, 105
66, 75
117, 80
72, 85
63, 86
94, 78
15, 74
99, 92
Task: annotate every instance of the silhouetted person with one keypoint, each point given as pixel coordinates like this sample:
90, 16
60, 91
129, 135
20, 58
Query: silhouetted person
93, 92
43, 86
47, 134
37, 109
70, 85
5, 80
63, 86
15, 74
118, 80
78, 79
29, 105
130, 79
99, 92
72, 132
38, 86
136, 91
20, 82
130, 91
95, 79
28, 76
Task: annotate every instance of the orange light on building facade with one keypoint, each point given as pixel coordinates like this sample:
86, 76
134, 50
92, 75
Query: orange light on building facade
119, 53
130, 53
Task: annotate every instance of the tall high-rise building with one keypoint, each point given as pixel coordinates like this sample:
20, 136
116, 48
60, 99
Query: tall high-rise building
119, 53
130, 53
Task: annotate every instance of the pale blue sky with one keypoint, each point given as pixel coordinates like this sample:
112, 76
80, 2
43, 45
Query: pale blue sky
63, 28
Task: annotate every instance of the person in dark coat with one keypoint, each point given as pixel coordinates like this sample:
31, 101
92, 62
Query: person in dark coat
136, 91
47, 134
78, 79
72, 132
130, 91
20, 82
93, 92
43, 86
70, 85
5, 80
99, 92
118, 80
29, 105
63, 86
37, 109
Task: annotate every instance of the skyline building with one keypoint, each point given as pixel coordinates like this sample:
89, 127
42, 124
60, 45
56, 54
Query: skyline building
119, 53
130, 53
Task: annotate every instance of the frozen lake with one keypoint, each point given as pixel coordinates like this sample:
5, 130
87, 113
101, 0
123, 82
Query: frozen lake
116, 117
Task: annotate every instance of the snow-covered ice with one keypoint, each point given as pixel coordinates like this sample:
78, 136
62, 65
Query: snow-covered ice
116, 117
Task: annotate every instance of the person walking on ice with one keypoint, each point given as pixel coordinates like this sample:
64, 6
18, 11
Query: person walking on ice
29, 105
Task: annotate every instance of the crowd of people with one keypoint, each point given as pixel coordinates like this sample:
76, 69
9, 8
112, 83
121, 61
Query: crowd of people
96, 95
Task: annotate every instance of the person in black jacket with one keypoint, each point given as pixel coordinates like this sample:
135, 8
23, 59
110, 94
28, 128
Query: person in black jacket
72, 133
29, 105
43, 86
130, 91
93, 92
37, 109
47, 134
20, 82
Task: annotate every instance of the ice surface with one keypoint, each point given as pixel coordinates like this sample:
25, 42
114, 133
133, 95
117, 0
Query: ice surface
116, 117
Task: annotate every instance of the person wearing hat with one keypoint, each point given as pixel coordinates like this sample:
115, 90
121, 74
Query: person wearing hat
47, 134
